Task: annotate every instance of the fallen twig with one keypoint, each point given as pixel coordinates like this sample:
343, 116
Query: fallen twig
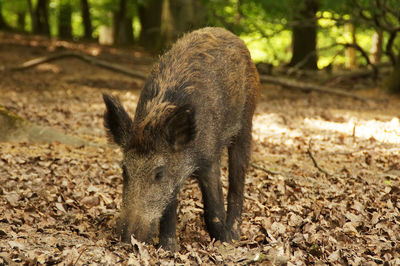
316, 164
284, 174
80, 254
87, 58
271, 172
292, 84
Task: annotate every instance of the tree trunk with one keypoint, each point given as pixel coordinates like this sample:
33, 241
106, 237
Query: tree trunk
117, 18
126, 32
188, 15
21, 20
64, 20
167, 24
376, 50
123, 30
178, 17
150, 19
33, 16
41, 17
304, 36
393, 82
350, 52
106, 35
87, 23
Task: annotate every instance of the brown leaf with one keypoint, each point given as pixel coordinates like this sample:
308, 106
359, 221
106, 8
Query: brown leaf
16, 244
12, 199
90, 201
60, 207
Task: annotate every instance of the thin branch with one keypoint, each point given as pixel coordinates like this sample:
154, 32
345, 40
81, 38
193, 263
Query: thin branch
389, 47
271, 172
80, 254
354, 45
316, 164
358, 48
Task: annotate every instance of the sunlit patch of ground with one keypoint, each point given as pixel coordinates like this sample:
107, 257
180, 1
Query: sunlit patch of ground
382, 131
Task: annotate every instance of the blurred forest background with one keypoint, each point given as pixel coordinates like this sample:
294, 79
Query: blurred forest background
306, 34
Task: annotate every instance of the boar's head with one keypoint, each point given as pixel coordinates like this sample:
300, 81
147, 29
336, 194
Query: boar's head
156, 162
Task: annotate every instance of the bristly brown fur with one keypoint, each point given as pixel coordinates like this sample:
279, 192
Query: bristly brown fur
193, 63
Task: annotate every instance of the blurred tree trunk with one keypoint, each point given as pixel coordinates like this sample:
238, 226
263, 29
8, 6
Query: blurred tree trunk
167, 24
3, 23
64, 20
150, 19
21, 22
39, 17
304, 36
33, 16
376, 50
123, 29
393, 82
163, 21
106, 35
187, 15
87, 23
350, 52
178, 17
126, 30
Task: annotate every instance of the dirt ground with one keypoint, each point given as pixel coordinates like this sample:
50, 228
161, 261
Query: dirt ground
323, 186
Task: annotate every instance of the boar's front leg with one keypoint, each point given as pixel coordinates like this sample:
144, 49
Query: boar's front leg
213, 199
168, 227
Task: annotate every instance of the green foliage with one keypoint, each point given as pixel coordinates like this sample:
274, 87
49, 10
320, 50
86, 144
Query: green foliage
11, 9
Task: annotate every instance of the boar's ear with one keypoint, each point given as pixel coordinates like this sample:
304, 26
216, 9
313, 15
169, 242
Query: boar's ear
180, 127
117, 121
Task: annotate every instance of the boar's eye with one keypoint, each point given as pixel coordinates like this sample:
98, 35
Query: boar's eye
159, 173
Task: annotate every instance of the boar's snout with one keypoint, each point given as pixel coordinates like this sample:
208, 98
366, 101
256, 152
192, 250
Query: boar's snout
142, 230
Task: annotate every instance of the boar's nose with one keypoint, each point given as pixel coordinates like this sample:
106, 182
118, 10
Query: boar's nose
125, 235
122, 230
144, 233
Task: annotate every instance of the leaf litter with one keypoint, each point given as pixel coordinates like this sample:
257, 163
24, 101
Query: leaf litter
59, 204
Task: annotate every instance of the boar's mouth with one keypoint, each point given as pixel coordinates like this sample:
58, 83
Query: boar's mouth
142, 229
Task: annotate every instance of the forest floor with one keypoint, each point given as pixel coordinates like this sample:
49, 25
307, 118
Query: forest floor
59, 203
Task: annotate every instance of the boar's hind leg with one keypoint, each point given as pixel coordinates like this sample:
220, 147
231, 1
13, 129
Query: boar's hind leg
168, 227
213, 199
239, 156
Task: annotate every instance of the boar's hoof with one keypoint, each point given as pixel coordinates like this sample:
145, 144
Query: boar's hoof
223, 236
169, 243
235, 230
235, 234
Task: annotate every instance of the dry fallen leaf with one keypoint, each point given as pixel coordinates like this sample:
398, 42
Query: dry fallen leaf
12, 198
60, 207
90, 201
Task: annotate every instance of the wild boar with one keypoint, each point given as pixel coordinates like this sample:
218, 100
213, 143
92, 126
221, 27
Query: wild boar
198, 100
